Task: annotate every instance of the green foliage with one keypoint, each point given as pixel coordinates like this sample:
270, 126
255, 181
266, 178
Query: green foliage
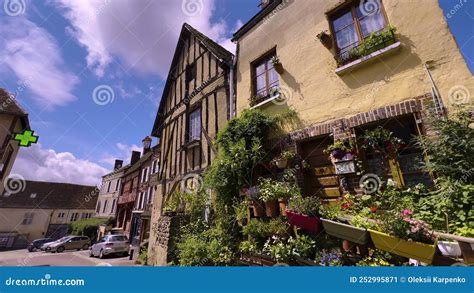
286, 249
241, 211
88, 227
401, 225
330, 212
360, 221
340, 145
192, 204
450, 153
272, 190
380, 140
249, 246
448, 207
143, 256
376, 259
466, 231
309, 206
261, 229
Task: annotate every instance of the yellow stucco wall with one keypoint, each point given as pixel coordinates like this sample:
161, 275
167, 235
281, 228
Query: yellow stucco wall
319, 94
5, 122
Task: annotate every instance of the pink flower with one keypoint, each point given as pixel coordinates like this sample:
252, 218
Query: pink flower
407, 212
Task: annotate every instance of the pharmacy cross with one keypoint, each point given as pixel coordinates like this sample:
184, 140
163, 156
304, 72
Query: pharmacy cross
26, 138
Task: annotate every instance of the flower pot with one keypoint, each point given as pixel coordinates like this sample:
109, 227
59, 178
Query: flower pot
282, 204
326, 40
279, 68
281, 163
271, 208
410, 249
258, 209
303, 221
346, 232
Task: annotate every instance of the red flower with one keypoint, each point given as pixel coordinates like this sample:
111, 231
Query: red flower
374, 209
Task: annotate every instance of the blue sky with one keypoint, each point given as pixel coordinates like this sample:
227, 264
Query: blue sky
55, 53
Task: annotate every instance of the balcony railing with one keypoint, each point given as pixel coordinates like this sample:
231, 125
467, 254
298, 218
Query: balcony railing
376, 41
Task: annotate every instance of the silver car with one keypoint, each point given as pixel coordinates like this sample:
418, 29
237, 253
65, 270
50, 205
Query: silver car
110, 244
70, 243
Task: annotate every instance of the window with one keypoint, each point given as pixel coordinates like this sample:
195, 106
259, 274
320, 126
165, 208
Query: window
113, 205
352, 24
4, 164
145, 173
194, 127
265, 77
28, 219
74, 217
97, 210
151, 194
190, 75
117, 184
108, 187
155, 166
61, 215
105, 206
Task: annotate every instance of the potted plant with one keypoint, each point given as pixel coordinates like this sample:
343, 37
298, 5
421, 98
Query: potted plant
277, 64
272, 192
381, 140
282, 160
303, 212
254, 100
339, 149
405, 236
257, 206
325, 39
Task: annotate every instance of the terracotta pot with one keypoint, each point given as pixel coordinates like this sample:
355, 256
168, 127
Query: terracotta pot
283, 203
279, 68
258, 209
281, 163
271, 208
312, 224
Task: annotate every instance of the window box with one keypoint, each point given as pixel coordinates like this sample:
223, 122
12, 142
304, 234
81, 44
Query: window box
410, 249
348, 67
305, 222
346, 232
263, 101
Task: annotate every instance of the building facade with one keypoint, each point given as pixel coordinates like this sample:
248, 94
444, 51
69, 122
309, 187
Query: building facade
346, 67
43, 209
195, 105
109, 191
13, 119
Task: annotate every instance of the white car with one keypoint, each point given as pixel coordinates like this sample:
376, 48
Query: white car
110, 244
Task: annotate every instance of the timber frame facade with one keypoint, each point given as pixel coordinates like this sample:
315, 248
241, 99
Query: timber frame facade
195, 105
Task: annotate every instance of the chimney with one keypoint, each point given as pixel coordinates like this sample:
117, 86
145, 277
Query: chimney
118, 164
146, 144
135, 157
264, 3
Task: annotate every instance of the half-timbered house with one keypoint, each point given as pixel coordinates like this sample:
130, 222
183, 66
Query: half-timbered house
196, 103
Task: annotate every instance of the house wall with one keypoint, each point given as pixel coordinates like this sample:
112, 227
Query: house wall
12, 218
310, 82
109, 196
5, 124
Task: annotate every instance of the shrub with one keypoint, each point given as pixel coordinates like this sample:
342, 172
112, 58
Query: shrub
309, 206
88, 227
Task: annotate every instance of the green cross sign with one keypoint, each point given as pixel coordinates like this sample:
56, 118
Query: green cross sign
26, 138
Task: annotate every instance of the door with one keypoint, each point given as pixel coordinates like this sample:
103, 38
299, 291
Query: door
320, 179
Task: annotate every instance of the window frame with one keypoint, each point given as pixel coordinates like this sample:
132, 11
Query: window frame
351, 6
192, 110
264, 59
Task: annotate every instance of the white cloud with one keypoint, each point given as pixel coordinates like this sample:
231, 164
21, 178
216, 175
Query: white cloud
33, 55
36, 163
140, 33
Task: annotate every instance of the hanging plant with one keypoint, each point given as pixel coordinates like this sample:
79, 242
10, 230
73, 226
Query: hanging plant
325, 39
339, 149
381, 140
277, 64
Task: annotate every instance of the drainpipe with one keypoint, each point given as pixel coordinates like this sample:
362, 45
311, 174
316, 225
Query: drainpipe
436, 95
231, 88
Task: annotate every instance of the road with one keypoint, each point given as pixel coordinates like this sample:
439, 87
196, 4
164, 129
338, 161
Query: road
67, 258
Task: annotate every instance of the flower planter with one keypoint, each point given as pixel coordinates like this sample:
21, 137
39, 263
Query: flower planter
325, 39
410, 249
281, 163
271, 208
258, 209
305, 222
450, 248
346, 232
282, 204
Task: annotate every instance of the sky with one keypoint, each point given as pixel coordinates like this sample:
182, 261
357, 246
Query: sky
90, 73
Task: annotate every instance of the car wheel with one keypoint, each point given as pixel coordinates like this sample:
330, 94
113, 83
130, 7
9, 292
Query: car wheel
91, 254
60, 249
101, 254
85, 247
30, 249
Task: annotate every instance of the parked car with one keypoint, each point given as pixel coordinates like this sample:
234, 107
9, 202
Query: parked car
70, 243
45, 247
36, 244
110, 244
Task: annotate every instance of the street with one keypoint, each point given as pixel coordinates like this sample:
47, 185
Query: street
68, 258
